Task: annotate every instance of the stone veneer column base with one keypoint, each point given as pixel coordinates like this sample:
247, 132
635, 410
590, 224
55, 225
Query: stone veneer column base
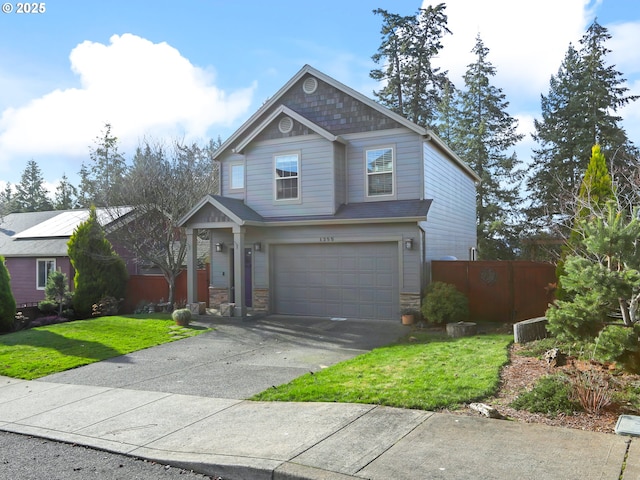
217, 296
260, 300
410, 300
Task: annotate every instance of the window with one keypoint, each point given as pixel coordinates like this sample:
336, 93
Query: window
237, 176
287, 175
45, 267
379, 172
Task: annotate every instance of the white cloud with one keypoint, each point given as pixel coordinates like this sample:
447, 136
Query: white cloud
140, 87
527, 40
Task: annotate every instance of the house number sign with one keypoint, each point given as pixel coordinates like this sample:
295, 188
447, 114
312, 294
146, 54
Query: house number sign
326, 239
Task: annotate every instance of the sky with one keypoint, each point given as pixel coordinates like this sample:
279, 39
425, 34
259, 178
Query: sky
195, 70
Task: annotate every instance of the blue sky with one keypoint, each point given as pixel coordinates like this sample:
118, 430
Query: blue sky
196, 69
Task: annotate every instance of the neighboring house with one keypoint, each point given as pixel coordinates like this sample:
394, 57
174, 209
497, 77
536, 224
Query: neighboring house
331, 205
34, 244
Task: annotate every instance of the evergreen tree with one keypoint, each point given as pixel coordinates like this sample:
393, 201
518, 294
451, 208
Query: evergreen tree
57, 289
31, 195
7, 201
100, 272
102, 179
7, 302
66, 195
413, 86
447, 115
579, 111
485, 133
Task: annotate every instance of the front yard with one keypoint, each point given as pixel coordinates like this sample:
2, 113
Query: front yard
41, 351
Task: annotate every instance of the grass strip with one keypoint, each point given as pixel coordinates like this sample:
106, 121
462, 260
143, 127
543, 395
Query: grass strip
41, 351
421, 372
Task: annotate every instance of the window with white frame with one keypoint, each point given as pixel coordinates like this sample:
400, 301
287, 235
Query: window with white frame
287, 175
44, 268
380, 168
237, 176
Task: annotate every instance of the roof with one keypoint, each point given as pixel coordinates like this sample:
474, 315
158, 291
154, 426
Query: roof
249, 130
37, 234
241, 214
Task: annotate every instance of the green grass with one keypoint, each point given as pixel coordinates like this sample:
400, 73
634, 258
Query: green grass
41, 351
425, 373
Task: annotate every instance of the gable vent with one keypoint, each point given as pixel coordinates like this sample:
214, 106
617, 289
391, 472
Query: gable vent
285, 125
310, 85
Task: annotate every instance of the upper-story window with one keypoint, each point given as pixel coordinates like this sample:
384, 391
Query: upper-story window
380, 170
236, 176
287, 175
44, 268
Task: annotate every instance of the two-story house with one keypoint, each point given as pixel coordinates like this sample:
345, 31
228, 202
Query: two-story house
331, 205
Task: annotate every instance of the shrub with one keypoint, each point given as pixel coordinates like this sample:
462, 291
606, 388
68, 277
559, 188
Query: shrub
551, 395
57, 290
47, 306
105, 307
618, 343
591, 390
182, 316
100, 272
7, 302
443, 303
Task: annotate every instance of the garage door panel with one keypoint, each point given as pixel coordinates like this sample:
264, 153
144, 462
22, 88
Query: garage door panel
345, 280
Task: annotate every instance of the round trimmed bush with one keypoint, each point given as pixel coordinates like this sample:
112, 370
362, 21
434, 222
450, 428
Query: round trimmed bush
182, 316
444, 303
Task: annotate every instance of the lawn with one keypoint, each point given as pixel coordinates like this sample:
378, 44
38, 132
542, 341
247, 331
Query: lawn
41, 351
421, 372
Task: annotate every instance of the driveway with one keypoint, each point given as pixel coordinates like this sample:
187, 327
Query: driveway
238, 358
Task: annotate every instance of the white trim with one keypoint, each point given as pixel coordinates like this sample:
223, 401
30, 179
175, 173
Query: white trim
298, 197
38, 260
388, 196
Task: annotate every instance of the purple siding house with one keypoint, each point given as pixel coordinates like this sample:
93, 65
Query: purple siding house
34, 244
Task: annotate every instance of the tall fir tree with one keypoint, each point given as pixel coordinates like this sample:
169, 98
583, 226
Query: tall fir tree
578, 112
101, 179
66, 196
485, 136
413, 85
31, 194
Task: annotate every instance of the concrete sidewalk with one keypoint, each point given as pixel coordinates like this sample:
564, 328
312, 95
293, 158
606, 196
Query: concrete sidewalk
237, 439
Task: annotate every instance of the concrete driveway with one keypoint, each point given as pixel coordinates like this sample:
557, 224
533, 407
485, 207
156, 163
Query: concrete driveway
239, 358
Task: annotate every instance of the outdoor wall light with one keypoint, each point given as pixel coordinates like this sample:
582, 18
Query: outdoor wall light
219, 246
257, 246
408, 243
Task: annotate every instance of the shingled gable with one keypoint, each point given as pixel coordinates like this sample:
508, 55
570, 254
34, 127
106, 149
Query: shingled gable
362, 114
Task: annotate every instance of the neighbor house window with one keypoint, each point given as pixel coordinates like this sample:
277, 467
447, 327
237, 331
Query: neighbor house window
44, 269
287, 174
379, 172
237, 176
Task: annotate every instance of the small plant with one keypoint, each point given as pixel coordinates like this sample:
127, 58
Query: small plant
47, 306
592, 391
551, 395
181, 316
444, 303
105, 307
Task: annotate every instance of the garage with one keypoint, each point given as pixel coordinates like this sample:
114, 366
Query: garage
352, 280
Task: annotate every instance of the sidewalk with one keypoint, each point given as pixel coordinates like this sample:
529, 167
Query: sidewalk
237, 439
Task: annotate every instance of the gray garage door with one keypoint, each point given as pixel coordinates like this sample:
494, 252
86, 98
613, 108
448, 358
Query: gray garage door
337, 280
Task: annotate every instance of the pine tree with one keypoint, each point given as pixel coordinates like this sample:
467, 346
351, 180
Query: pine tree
66, 195
7, 302
485, 133
31, 195
100, 272
578, 112
413, 85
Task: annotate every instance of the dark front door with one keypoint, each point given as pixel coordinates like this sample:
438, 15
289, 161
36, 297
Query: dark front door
248, 281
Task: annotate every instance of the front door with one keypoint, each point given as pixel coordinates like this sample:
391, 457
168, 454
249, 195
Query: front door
248, 281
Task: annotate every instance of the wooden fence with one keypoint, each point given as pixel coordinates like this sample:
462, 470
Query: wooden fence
154, 288
500, 291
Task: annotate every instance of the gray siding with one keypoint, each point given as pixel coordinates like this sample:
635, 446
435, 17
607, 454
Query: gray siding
225, 171
340, 172
451, 222
408, 157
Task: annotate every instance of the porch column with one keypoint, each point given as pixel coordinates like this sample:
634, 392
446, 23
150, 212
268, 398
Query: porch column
238, 271
192, 265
